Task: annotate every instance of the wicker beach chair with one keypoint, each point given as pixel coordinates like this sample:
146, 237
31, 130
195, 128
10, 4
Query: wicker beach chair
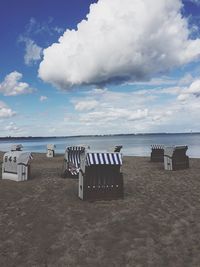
50, 150
157, 153
118, 148
100, 176
175, 158
71, 164
16, 147
16, 164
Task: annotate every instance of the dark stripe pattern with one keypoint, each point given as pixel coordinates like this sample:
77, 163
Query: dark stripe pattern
103, 159
74, 154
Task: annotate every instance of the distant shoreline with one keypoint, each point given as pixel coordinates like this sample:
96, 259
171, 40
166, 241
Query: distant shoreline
78, 136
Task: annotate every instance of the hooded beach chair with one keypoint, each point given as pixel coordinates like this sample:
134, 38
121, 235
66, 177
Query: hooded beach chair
157, 153
118, 148
16, 147
100, 176
72, 161
50, 150
175, 158
16, 164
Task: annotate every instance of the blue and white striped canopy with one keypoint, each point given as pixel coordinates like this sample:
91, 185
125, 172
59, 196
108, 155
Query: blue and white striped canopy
103, 158
74, 154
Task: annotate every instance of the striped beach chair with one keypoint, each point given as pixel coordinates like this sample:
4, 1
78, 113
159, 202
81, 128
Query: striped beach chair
72, 161
157, 153
100, 176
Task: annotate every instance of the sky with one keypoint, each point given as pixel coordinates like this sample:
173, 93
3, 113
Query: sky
81, 67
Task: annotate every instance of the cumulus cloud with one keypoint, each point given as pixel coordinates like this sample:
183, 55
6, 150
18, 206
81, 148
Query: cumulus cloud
128, 40
139, 110
192, 90
12, 86
33, 52
183, 97
5, 111
43, 98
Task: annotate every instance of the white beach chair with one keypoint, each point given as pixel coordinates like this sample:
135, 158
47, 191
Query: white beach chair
16, 164
50, 150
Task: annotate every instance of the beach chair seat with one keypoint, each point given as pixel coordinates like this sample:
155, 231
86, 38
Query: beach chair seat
175, 158
157, 153
100, 177
72, 161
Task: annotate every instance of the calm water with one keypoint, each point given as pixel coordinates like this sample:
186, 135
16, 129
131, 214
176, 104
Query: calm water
135, 145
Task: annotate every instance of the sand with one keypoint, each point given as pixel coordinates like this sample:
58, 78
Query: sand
157, 224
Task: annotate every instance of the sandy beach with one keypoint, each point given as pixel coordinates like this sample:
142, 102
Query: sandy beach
157, 224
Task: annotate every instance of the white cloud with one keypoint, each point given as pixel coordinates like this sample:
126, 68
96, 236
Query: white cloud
128, 40
86, 105
58, 30
187, 79
35, 27
33, 30
138, 114
107, 111
193, 90
43, 98
114, 114
138, 111
121, 112
11, 127
33, 52
12, 86
5, 111
183, 97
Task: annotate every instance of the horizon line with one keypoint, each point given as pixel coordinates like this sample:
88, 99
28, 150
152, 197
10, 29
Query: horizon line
96, 135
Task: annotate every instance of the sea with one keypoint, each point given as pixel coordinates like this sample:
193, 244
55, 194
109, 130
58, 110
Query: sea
133, 145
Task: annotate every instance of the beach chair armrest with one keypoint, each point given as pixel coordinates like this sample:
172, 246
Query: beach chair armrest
81, 171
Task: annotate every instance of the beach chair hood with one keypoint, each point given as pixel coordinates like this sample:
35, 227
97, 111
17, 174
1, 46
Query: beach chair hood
103, 158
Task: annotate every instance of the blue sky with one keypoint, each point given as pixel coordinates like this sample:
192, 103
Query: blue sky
99, 67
